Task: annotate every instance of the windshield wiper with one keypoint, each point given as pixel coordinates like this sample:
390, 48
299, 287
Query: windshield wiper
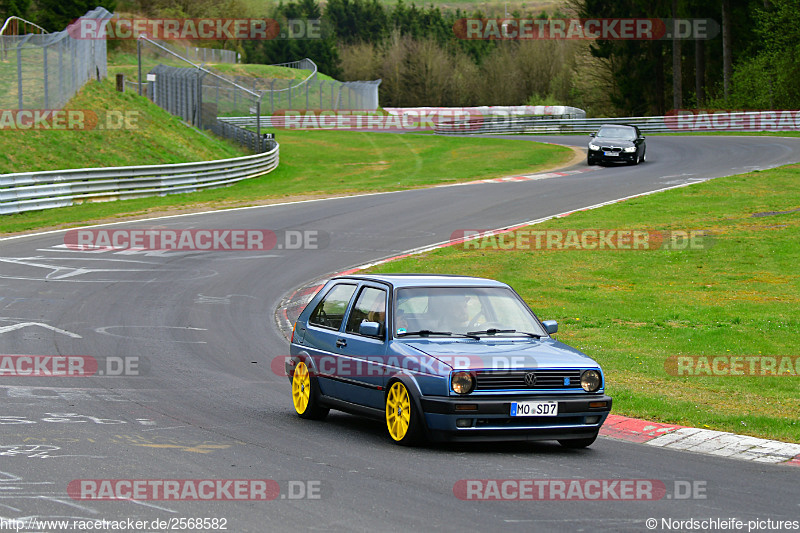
494, 331
491, 331
427, 332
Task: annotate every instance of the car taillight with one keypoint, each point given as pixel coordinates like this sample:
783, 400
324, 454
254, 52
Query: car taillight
293, 328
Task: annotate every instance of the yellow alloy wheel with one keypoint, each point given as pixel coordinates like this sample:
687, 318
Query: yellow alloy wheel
398, 411
301, 388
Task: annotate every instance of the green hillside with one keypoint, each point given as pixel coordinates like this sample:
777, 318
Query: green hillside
148, 136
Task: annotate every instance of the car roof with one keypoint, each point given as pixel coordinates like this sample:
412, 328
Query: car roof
425, 280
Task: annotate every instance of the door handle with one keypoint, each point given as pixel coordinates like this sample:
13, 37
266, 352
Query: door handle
340, 343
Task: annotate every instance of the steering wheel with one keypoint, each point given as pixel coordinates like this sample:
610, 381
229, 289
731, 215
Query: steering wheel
475, 322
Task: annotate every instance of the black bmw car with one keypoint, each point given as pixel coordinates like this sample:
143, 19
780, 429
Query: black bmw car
617, 143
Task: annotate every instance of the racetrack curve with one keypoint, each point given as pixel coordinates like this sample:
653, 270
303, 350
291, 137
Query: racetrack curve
210, 407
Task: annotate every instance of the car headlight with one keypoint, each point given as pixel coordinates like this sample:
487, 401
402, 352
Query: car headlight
630, 149
462, 382
590, 380
593, 146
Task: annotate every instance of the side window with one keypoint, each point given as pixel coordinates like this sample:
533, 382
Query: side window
370, 307
329, 313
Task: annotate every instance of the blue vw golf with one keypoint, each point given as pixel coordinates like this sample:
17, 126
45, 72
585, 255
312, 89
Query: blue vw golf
442, 358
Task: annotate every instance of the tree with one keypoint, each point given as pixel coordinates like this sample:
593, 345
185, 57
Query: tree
16, 8
727, 61
55, 15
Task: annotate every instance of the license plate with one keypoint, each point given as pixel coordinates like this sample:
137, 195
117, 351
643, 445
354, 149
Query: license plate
612, 154
534, 408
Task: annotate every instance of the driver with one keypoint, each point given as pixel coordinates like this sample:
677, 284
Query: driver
449, 313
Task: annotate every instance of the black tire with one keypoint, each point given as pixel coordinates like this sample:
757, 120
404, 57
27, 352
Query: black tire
305, 394
398, 397
578, 443
590, 161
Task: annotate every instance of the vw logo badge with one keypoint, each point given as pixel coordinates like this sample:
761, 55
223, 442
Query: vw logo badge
530, 379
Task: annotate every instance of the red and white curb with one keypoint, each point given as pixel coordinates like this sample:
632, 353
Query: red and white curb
704, 441
670, 436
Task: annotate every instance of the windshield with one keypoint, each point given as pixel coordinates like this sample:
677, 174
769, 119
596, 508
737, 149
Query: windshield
627, 134
463, 310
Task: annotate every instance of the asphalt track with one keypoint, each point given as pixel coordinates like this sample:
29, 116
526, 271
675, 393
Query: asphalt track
209, 405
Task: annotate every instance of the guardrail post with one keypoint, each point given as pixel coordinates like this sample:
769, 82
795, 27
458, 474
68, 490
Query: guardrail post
44, 69
272, 97
139, 61
19, 76
60, 73
258, 124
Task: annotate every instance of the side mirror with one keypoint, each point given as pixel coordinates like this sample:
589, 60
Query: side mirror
370, 329
550, 326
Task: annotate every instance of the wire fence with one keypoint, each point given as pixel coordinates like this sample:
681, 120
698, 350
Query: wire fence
43, 71
211, 55
231, 94
200, 95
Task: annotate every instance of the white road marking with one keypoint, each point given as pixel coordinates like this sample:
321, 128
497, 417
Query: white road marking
13, 327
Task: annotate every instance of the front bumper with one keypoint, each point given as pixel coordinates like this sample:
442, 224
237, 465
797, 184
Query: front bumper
448, 420
600, 155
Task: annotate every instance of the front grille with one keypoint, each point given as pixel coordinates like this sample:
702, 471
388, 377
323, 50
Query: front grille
515, 379
610, 149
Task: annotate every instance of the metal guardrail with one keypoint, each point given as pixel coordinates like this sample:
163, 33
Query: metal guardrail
250, 122
729, 121
30, 191
249, 139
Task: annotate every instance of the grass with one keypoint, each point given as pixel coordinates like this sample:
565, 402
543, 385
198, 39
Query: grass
632, 310
313, 163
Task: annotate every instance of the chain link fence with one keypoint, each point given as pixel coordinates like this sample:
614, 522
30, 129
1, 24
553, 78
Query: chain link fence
43, 71
213, 92
211, 55
199, 95
284, 95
